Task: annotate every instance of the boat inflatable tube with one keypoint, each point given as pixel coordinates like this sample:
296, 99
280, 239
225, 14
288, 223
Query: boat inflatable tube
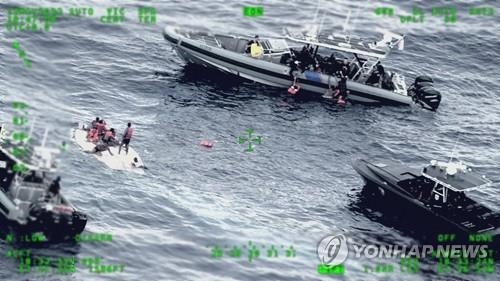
423, 78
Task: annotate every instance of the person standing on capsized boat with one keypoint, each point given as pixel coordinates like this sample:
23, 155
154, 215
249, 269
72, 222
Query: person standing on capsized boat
93, 125
127, 135
101, 127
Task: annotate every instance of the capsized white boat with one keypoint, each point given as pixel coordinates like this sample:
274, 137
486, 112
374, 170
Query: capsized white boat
115, 161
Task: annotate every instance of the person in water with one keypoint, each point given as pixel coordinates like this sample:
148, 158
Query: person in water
136, 164
127, 136
294, 89
342, 88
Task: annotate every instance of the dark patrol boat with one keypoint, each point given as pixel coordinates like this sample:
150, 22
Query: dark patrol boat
26, 203
435, 194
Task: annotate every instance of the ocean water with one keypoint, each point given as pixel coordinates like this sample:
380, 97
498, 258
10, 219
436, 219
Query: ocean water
295, 188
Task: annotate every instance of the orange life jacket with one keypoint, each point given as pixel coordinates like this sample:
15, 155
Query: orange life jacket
100, 128
128, 133
108, 135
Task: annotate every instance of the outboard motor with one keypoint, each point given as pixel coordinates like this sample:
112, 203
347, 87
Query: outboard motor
422, 92
57, 221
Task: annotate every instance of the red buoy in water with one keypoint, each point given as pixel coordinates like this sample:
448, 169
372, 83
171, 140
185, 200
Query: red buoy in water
206, 143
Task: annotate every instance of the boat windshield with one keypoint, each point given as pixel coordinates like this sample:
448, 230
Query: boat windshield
454, 176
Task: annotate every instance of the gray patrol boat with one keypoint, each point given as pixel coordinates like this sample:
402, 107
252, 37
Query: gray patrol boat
367, 82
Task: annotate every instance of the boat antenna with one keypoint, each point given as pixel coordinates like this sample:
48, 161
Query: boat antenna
321, 22
32, 127
453, 150
346, 23
45, 134
357, 14
317, 11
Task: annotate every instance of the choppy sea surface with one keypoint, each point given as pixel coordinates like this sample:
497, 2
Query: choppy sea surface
296, 187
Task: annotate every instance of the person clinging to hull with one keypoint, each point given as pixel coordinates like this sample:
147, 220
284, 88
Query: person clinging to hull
127, 135
342, 86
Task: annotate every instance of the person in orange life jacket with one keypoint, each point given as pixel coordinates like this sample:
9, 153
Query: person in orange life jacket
109, 136
94, 123
92, 136
101, 127
127, 135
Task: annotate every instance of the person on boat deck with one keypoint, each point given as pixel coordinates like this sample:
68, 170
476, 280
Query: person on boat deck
127, 135
333, 65
53, 191
33, 178
294, 89
256, 50
249, 44
101, 127
109, 136
335, 91
345, 67
102, 146
381, 73
93, 136
94, 123
306, 58
293, 67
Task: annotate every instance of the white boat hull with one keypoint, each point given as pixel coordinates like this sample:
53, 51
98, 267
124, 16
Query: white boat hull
116, 161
